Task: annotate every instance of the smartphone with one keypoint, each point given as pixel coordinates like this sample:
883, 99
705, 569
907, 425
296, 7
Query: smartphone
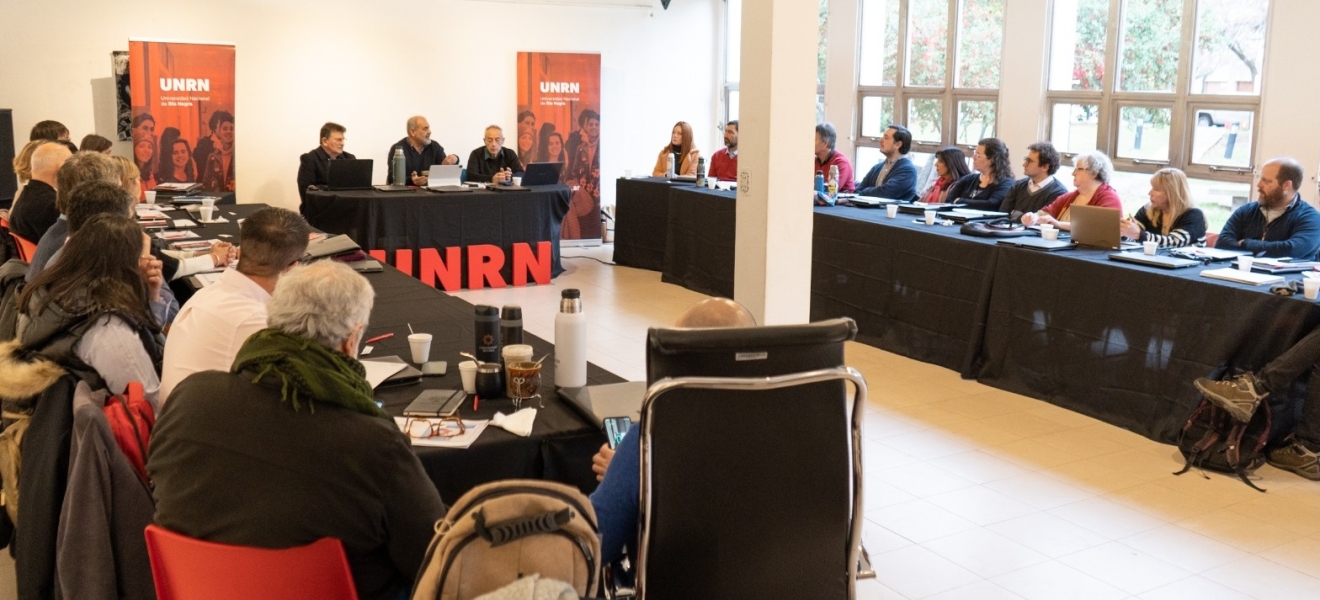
615, 429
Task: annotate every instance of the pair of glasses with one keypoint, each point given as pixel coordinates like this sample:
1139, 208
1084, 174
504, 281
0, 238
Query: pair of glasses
444, 427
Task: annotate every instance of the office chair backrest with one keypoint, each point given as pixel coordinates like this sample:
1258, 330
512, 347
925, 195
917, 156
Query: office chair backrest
189, 569
751, 490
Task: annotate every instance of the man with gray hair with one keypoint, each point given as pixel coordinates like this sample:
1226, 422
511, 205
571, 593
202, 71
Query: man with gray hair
827, 157
419, 153
77, 170
493, 162
216, 321
35, 209
288, 446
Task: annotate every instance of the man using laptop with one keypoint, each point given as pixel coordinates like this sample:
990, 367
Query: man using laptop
419, 153
895, 176
1279, 224
493, 162
314, 167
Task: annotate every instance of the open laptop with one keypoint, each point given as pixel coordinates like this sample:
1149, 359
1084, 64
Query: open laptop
1095, 226
600, 402
542, 173
350, 174
446, 178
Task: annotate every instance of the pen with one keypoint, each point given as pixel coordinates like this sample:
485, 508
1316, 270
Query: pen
476, 401
383, 336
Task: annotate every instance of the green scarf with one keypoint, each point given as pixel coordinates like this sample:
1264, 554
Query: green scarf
308, 371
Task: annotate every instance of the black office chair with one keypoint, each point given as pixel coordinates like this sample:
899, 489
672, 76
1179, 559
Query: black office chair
751, 464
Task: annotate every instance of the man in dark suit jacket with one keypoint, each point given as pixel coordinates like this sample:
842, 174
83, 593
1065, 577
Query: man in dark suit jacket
315, 167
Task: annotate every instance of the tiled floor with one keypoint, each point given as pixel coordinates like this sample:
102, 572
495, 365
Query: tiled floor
978, 494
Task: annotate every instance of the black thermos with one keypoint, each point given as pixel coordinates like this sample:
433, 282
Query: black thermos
511, 325
488, 333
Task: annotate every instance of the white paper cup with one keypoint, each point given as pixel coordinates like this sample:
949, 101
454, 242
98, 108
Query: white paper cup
468, 371
1244, 263
627, 173
207, 212
151, 196
1049, 234
711, 182
420, 344
517, 180
892, 210
208, 201
930, 217
1311, 287
1149, 248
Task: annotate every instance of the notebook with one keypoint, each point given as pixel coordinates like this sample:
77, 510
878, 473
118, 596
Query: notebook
1238, 276
1158, 260
349, 174
1035, 243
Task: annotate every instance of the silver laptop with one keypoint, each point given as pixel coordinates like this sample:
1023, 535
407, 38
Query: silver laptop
444, 176
1095, 226
599, 402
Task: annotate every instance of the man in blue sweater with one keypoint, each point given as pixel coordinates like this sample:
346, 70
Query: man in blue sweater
895, 176
1280, 223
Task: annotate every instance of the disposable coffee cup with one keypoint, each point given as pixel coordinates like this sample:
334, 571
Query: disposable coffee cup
1045, 226
151, 196
930, 217
1149, 248
207, 213
1311, 287
208, 201
517, 180
468, 371
627, 173
1049, 234
892, 210
420, 344
711, 182
1244, 263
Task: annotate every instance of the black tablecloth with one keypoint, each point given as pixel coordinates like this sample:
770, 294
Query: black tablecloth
414, 220
700, 246
641, 222
562, 442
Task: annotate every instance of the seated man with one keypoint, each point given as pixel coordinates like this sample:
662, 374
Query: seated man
35, 208
1280, 223
724, 163
615, 501
493, 163
826, 157
314, 166
214, 323
419, 153
895, 176
1039, 188
75, 171
54, 131
288, 447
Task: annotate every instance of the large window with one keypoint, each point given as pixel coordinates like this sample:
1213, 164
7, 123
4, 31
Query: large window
932, 65
1156, 83
733, 57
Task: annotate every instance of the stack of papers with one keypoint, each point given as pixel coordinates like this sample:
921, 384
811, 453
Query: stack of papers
1238, 276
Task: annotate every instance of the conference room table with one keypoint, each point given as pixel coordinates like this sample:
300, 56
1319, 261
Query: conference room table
561, 443
419, 219
679, 229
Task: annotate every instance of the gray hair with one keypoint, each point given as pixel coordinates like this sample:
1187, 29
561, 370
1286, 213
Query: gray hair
1096, 163
324, 302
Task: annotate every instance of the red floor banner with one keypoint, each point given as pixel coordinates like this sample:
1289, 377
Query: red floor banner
183, 113
559, 121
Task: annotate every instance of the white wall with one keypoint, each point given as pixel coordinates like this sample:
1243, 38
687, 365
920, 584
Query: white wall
1290, 115
368, 66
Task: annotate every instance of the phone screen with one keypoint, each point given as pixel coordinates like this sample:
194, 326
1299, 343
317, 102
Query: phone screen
615, 429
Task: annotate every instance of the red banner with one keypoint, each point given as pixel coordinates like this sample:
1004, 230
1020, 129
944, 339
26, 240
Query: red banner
183, 113
559, 121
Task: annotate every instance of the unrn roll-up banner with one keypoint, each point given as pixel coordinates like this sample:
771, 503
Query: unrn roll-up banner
559, 121
183, 113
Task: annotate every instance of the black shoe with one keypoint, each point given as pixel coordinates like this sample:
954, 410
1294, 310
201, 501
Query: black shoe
1239, 395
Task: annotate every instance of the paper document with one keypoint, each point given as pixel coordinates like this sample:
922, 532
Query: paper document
378, 371
471, 431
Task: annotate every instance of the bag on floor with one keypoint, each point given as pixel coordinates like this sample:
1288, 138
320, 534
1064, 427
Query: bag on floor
1212, 439
503, 531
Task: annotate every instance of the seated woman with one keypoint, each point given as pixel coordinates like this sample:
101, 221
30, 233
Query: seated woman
92, 308
1170, 218
1091, 173
950, 166
681, 148
986, 187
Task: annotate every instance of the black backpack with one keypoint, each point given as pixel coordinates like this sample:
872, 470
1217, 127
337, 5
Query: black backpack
1212, 439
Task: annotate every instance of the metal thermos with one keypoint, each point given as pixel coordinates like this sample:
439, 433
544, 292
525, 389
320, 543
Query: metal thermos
511, 326
487, 334
570, 341
399, 167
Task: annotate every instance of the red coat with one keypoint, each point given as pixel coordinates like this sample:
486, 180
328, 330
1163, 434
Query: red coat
846, 181
723, 166
1105, 196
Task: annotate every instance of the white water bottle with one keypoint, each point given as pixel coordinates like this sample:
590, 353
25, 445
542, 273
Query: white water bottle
570, 341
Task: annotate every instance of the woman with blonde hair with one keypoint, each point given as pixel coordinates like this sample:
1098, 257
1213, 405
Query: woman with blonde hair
682, 149
131, 176
23, 162
1169, 218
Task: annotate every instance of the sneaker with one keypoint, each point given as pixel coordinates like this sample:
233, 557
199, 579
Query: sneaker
1297, 458
1239, 396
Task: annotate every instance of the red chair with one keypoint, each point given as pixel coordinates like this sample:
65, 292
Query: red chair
188, 569
1210, 239
26, 249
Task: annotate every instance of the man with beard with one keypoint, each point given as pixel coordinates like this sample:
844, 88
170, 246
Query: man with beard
1279, 224
419, 153
724, 163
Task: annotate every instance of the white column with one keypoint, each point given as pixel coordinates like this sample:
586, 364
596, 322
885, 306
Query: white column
1021, 118
777, 113
841, 72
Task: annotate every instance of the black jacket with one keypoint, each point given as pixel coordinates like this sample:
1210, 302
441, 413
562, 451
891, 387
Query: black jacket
34, 211
416, 162
481, 167
314, 169
968, 191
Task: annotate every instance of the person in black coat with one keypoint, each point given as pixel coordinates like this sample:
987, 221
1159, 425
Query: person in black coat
986, 188
315, 165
